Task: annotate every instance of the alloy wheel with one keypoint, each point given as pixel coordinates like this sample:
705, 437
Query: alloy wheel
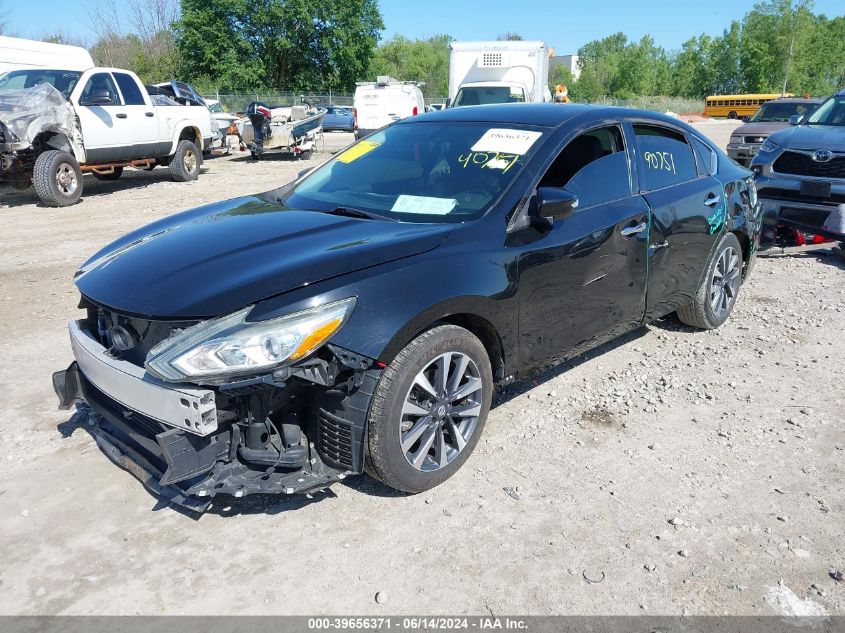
440, 412
66, 179
190, 161
725, 282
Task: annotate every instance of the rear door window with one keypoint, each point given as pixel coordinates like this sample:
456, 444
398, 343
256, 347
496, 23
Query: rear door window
129, 89
666, 158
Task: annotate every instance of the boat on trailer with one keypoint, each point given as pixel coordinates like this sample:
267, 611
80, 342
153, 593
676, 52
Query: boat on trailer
286, 129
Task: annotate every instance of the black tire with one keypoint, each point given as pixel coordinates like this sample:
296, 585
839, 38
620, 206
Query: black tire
731, 114
185, 162
385, 458
57, 178
112, 176
701, 313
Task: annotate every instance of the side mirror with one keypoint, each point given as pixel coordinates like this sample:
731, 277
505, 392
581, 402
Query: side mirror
97, 97
448, 102
795, 119
556, 204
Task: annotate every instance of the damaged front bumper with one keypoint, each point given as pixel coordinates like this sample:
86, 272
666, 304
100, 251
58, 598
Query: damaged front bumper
812, 206
187, 443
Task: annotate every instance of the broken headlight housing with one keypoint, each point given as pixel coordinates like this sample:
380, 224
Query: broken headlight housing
231, 346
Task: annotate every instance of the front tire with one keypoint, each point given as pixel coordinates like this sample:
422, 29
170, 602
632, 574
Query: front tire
57, 178
717, 293
429, 409
185, 162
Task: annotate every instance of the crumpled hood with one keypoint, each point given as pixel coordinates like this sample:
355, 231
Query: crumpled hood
30, 111
216, 259
760, 129
811, 137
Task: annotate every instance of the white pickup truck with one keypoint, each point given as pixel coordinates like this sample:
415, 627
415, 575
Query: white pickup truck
56, 125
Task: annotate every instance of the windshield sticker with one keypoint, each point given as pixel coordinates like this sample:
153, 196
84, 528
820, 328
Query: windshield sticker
489, 160
356, 151
424, 204
506, 141
661, 161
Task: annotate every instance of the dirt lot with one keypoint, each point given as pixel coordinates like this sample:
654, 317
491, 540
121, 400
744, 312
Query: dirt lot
671, 472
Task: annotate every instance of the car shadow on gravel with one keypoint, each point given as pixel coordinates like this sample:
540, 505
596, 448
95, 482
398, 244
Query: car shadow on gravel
508, 393
93, 188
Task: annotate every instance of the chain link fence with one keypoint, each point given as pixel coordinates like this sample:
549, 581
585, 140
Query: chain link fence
238, 101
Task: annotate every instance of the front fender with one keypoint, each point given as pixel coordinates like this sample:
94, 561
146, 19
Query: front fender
398, 300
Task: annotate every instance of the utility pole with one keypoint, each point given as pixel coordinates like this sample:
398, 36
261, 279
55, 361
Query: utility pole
791, 44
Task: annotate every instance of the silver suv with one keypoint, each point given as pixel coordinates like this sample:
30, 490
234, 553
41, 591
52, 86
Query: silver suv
800, 173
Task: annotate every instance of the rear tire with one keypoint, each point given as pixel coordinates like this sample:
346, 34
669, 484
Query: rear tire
185, 162
732, 115
57, 178
428, 409
717, 293
112, 176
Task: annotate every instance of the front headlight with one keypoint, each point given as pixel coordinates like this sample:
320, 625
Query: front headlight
231, 346
768, 146
736, 138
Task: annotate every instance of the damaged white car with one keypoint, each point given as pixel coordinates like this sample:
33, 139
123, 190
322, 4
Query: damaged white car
56, 125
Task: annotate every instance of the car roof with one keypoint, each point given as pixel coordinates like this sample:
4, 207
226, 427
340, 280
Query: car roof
797, 100
541, 114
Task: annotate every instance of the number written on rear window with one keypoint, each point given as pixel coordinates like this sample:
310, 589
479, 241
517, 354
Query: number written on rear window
665, 157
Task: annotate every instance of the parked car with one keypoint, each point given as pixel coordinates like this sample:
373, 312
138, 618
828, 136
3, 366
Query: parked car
338, 118
221, 118
771, 117
800, 174
361, 316
57, 124
385, 101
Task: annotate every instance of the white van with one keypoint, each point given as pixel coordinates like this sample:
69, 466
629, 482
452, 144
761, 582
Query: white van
384, 101
17, 54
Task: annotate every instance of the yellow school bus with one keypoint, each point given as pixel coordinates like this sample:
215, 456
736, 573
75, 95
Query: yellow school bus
737, 106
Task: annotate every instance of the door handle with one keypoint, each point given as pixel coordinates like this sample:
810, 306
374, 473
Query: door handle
121, 115
628, 231
149, 114
712, 200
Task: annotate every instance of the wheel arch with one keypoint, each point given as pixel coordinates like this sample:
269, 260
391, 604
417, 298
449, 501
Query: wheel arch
188, 133
478, 325
47, 140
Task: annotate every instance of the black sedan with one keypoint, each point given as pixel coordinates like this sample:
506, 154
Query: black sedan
361, 316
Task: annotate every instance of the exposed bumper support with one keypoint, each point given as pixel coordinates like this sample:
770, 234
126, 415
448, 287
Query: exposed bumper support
184, 468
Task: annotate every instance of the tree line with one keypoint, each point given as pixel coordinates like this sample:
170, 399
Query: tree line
302, 45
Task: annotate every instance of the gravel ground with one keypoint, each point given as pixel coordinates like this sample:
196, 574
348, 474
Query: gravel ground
671, 472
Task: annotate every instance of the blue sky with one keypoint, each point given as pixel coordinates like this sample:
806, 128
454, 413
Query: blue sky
563, 25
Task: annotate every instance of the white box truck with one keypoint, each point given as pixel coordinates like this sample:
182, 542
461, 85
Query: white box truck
498, 72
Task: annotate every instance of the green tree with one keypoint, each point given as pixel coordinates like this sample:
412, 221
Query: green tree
280, 44
414, 60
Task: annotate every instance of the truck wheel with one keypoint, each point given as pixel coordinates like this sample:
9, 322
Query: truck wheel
57, 178
185, 163
112, 176
716, 296
732, 115
429, 409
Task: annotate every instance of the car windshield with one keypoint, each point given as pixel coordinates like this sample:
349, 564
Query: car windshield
831, 112
61, 80
780, 112
483, 95
421, 172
